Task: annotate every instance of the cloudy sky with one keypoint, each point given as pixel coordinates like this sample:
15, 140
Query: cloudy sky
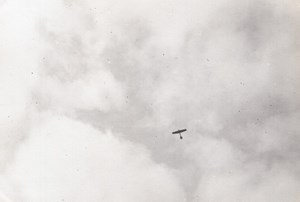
90, 91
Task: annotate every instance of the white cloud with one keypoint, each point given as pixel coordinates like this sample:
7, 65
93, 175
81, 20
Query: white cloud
65, 160
18, 64
251, 184
228, 71
96, 90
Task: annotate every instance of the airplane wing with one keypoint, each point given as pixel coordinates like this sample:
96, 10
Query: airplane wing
179, 131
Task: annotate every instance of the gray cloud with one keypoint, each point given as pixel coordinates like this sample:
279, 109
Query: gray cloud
65, 160
228, 71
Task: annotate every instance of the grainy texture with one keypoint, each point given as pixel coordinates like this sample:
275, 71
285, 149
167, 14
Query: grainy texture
91, 91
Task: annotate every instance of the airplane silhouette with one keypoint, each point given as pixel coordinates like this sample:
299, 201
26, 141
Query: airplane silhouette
179, 132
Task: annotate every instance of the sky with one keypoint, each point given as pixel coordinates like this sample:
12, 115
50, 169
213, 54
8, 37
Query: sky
91, 91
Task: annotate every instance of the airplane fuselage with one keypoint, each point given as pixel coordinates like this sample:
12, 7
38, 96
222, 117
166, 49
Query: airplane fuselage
179, 132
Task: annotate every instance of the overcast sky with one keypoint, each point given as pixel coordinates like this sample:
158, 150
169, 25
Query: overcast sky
91, 90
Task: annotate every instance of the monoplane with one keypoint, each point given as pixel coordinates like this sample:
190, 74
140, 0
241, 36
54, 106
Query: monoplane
179, 132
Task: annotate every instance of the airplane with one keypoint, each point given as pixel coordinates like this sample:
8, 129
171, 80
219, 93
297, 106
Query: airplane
179, 131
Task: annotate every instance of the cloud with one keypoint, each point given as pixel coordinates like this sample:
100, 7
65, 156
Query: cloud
65, 160
236, 186
93, 91
57, 157
227, 71
233, 82
19, 55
